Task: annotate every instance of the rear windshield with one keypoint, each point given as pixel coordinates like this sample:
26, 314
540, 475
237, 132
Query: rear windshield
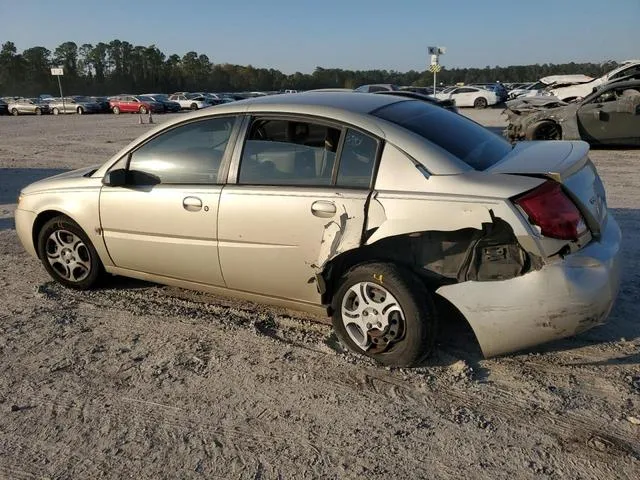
466, 140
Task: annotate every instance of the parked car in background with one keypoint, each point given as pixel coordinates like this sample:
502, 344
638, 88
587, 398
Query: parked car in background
134, 104
103, 104
75, 104
163, 98
377, 87
317, 201
609, 116
27, 106
497, 88
543, 86
187, 103
4, 108
568, 93
469, 96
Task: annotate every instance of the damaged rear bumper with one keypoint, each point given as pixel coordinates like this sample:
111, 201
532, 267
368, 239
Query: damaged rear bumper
562, 299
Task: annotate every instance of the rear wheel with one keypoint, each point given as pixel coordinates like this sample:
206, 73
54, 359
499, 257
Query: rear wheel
55, 111
143, 109
480, 102
194, 106
14, 112
38, 111
544, 130
80, 110
68, 255
384, 312
116, 110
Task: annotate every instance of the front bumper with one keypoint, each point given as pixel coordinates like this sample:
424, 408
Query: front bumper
562, 299
24, 220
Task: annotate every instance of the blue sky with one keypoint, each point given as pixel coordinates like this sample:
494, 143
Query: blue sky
352, 34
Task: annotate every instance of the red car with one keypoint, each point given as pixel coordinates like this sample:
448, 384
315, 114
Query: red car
134, 104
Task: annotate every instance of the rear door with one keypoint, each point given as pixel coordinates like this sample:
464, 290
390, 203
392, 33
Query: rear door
613, 117
296, 194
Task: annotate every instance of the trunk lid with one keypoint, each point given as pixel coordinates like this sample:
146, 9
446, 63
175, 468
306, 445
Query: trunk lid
567, 163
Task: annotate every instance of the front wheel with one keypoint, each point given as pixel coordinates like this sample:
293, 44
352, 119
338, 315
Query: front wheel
383, 311
14, 112
143, 109
544, 130
116, 110
480, 102
80, 110
38, 111
55, 111
68, 255
194, 106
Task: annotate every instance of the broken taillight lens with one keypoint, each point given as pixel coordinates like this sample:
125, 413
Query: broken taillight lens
553, 211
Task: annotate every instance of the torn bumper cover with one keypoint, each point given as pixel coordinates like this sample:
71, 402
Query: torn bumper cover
562, 299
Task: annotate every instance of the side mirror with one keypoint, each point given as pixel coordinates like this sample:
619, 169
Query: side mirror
115, 178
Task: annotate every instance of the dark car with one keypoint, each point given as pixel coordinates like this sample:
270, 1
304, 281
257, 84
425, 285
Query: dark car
610, 115
103, 103
4, 108
169, 105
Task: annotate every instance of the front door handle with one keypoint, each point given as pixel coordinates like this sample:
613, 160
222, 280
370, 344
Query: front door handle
192, 204
323, 209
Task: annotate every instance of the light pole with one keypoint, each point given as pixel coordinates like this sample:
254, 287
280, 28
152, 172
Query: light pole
435, 66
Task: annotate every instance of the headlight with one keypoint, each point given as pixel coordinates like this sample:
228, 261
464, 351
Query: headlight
20, 198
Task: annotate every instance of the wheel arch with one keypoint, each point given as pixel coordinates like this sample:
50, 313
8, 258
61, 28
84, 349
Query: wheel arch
41, 219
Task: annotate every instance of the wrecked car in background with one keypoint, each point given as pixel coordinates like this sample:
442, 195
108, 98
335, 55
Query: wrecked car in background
545, 84
363, 207
609, 116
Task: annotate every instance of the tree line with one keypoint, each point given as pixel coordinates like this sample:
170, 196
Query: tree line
118, 67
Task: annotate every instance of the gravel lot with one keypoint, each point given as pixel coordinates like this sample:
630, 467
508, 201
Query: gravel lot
143, 381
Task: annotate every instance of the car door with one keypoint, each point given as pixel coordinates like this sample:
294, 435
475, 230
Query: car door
461, 96
297, 188
162, 219
612, 117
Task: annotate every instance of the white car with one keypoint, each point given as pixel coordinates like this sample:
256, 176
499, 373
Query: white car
567, 94
189, 103
542, 86
469, 96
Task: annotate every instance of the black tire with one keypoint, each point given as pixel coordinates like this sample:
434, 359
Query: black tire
80, 111
55, 111
480, 102
418, 333
80, 246
14, 112
116, 110
544, 130
143, 109
194, 106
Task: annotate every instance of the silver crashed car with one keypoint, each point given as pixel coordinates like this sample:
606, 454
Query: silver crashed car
77, 104
359, 206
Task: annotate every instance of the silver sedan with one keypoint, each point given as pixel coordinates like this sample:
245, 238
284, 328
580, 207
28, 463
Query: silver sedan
366, 208
79, 105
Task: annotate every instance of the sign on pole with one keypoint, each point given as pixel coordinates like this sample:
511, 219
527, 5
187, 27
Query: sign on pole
58, 72
435, 67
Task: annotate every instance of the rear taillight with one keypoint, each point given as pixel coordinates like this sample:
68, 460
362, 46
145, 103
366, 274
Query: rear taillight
552, 210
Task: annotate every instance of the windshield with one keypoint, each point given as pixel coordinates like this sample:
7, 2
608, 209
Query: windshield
470, 142
144, 98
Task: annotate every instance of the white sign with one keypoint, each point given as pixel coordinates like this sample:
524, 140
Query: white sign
434, 59
57, 71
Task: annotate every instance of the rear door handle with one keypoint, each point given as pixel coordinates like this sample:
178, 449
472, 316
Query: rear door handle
192, 204
323, 209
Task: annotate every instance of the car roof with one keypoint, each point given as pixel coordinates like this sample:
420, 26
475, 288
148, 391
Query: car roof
349, 101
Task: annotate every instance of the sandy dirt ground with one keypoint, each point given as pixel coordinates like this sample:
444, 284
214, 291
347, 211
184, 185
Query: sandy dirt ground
137, 380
